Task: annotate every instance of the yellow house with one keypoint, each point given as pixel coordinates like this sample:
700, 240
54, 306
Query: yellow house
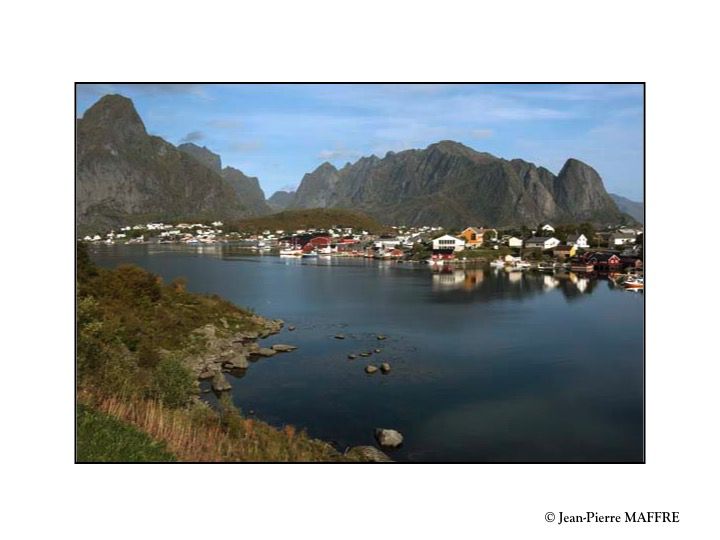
565, 252
473, 236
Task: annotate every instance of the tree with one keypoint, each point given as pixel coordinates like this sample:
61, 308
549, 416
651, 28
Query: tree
588, 230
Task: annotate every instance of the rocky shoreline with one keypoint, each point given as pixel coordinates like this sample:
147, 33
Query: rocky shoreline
225, 353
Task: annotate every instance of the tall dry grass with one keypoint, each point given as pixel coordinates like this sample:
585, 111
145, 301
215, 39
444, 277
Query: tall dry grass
200, 434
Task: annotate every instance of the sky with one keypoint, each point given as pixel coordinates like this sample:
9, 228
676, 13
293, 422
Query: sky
279, 132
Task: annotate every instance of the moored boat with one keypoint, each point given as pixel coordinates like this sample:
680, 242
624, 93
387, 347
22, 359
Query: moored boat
634, 282
291, 252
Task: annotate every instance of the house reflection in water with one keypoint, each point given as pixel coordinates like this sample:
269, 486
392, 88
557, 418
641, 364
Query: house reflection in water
447, 278
580, 282
514, 276
550, 282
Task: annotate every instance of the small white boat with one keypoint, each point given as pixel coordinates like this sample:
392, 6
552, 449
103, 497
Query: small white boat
634, 283
309, 254
291, 252
498, 263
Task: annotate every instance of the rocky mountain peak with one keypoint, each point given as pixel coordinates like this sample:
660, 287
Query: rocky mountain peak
114, 114
203, 154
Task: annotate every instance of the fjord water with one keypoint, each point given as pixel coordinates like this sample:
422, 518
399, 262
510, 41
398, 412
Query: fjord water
486, 365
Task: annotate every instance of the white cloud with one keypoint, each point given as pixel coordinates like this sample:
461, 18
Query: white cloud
339, 154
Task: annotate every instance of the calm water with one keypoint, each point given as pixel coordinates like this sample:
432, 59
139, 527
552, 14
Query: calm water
486, 365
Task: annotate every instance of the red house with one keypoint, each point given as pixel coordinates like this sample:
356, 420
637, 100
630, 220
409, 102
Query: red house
604, 262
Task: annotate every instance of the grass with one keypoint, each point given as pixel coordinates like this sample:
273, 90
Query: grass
315, 218
139, 399
484, 253
102, 438
200, 434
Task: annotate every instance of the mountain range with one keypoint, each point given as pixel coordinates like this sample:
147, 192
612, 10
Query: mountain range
450, 184
635, 210
125, 175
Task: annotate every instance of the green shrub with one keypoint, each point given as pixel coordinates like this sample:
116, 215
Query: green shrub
173, 383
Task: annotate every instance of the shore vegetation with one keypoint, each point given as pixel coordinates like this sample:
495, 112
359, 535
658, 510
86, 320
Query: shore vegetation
137, 400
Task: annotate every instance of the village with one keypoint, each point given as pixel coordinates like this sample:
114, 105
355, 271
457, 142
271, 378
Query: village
614, 251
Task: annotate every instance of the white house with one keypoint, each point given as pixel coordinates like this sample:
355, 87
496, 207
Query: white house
448, 242
577, 240
515, 242
387, 243
541, 242
620, 239
547, 228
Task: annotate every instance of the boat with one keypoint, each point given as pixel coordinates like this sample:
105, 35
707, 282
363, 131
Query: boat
545, 267
291, 252
498, 263
309, 254
522, 264
634, 282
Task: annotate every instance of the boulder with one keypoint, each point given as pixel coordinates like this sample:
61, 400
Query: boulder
388, 437
370, 369
237, 362
281, 347
220, 383
207, 331
380, 337
369, 454
264, 351
206, 375
385, 367
352, 356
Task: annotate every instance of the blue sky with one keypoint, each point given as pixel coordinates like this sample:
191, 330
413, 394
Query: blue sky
280, 132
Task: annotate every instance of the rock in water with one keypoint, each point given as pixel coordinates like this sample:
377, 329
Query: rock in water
220, 383
370, 454
388, 437
291, 328
281, 347
263, 351
352, 356
381, 337
385, 367
370, 369
237, 362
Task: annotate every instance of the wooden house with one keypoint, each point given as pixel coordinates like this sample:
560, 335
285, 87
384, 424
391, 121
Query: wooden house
473, 236
564, 252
